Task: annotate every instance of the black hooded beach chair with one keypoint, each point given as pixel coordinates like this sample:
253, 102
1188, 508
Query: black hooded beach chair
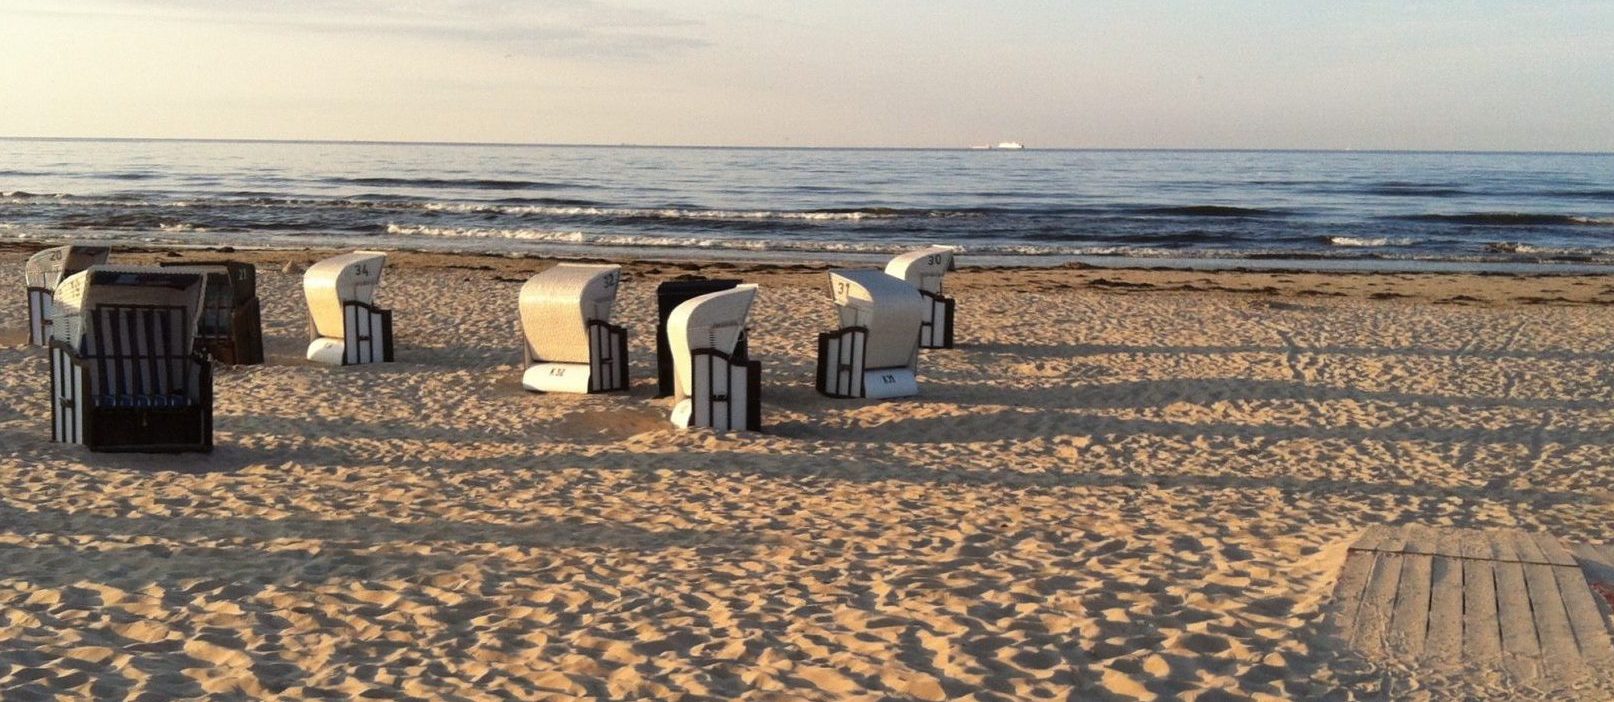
125, 373
231, 327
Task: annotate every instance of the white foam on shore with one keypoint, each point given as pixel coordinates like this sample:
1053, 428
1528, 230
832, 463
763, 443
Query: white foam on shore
1369, 242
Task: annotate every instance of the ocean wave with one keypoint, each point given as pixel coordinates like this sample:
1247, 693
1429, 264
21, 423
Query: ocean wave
1510, 219
642, 241
1595, 194
1368, 241
1210, 211
454, 183
1402, 189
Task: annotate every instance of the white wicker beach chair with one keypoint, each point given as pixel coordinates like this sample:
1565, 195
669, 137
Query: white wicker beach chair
717, 386
43, 272
569, 343
924, 269
125, 373
875, 352
345, 326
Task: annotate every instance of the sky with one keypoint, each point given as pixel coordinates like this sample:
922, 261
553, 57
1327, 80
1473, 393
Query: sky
1310, 74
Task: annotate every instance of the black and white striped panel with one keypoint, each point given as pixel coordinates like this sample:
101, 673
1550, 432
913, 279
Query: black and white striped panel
140, 356
723, 393
366, 330
607, 356
841, 362
67, 401
39, 306
936, 329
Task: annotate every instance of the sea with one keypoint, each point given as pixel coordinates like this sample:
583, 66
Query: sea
1324, 209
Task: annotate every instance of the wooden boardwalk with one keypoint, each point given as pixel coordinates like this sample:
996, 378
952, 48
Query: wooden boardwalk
1442, 597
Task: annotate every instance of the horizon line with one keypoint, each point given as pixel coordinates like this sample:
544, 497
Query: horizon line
518, 144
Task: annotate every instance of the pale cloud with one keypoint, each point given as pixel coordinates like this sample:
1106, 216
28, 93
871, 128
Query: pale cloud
577, 29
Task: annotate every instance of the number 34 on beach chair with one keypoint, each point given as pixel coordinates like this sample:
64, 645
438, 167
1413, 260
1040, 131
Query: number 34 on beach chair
346, 326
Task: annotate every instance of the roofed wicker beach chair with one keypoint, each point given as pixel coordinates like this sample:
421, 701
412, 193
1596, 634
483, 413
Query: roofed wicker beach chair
569, 343
125, 374
231, 328
875, 352
345, 326
717, 385
43, 272
924, 269
669, 295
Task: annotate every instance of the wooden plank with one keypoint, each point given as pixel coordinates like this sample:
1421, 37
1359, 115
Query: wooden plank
1482, 631
1554, 550
1370, 538
1394, 540
1559, 651
1410, 622
1525, 545
1445, 637
1476, 545
1591, 628
1449, 543
1378, 600
1502, 548
1348, 590
1419, 539
1513, 609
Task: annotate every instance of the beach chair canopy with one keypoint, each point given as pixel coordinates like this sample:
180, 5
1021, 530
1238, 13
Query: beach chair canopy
712, 321
49, 267
890, 309
558, 304
80, 296
922, 269
338, 280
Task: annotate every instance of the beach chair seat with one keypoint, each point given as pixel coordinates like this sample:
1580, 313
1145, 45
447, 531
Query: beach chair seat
231, 327
924, 269
345, 326
715, 384
875, 352
125, 373
569, 343
669, 295
43, 271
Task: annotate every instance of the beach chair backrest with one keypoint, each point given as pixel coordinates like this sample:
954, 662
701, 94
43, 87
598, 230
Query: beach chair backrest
890, 309
136, 326
713, 321
46, 269
922, 269
336, 281
558, 305
139, 355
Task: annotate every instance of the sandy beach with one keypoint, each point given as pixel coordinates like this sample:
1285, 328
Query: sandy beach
1123, 484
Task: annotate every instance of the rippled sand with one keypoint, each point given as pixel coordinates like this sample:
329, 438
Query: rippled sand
1123, 485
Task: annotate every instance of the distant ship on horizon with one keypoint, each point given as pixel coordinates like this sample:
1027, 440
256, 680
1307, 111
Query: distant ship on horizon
1002, 145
